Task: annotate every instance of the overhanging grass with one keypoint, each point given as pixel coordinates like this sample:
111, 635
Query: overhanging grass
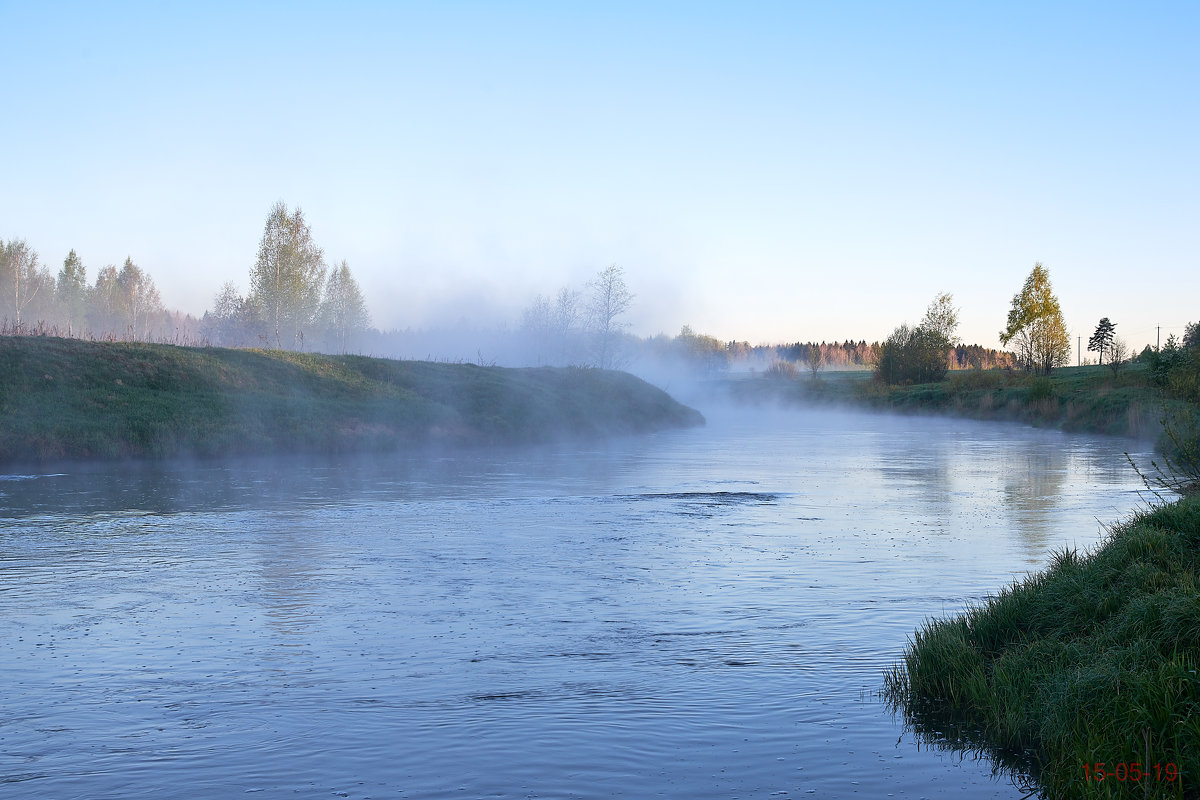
66, 398
1094, 660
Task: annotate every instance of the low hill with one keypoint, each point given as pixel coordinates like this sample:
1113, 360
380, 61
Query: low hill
72, 399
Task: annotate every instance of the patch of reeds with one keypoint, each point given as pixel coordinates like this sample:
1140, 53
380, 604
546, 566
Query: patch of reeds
1093, 661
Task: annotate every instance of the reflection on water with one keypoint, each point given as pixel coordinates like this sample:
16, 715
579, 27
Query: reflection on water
701, 614
935, 729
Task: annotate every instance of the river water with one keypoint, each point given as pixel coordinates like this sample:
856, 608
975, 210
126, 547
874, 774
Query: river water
695, 614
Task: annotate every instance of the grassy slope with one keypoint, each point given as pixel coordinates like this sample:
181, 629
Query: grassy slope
1094, 660
65, 398
1088, 399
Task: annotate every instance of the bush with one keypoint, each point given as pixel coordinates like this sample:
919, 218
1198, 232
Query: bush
1172, 358
781, 370
1040, 389
912, 355
1179, 444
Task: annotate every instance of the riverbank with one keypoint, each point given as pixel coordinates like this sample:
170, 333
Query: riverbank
1087, 675
72, 399
1079, 399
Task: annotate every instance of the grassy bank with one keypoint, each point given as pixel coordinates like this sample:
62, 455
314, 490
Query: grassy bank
1082, 399
1096, 660
71, 399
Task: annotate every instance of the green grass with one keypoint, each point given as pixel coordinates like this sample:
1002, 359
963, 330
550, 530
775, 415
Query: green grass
1094, 660
71, 399
1087, 399
1082, 399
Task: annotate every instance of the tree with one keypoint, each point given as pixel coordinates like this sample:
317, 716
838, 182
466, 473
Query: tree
920, 354
550, 324
72, 290
706, 355
21, 279
939, 329
138, 300
565, 319
537, 322
1035, 324
1191, 335
286, 281
942, 318
610, 299
912, 355
343, 309
1102, 339
1118, 354
232, 321
817, 356
104, 310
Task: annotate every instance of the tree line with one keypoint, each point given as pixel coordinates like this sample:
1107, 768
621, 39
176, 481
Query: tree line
122, 303
295, 300
298, 301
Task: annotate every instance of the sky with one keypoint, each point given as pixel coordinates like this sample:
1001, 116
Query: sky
765, 172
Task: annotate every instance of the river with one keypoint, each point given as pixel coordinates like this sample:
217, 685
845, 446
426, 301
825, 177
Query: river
695, 614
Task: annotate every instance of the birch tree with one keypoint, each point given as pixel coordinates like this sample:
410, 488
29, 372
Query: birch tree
232, 321
72, 290
21, 279
343, 309
1035, 324
609, 300
942, 318
551, 326
104, 308
287, 278
138, 300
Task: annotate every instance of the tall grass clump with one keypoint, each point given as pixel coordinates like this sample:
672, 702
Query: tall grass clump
1094, 661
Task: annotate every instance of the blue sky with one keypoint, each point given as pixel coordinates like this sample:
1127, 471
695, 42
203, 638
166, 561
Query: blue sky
762, 171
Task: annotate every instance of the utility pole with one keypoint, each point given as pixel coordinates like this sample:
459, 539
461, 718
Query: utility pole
1157, 338
1079, 351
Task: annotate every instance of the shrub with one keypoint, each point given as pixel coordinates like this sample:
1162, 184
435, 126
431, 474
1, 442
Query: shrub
782, 370
1172, 358
1041, 389
912, 355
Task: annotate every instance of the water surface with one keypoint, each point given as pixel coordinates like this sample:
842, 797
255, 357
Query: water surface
700, 614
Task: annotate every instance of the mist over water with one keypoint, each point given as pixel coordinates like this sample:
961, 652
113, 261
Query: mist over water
696, 614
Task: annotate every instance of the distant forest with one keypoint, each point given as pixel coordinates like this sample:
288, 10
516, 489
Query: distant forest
711, 355
860, 355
